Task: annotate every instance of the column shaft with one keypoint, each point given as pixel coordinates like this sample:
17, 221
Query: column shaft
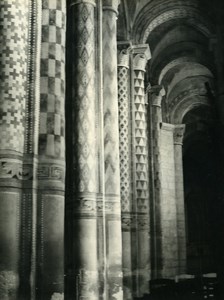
181, 230
125, 163
155, 98
111, 151
51, 153
14, 37
141, 266
82, 267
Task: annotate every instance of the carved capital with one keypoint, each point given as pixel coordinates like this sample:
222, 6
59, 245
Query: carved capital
141, 55
111, 5
76, 2
123, 59
156, 93
178, 134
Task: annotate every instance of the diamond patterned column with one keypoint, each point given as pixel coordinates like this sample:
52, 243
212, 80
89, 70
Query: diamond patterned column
141, 266
111, 151
82, 179
181, 231
125, 164
51, 153
156, 94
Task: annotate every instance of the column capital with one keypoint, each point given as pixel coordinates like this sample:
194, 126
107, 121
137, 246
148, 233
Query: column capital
157, 93
141, 55
123, 58
76, 2
111, 5
178, 134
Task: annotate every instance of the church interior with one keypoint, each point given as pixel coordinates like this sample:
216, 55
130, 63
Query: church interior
111, 149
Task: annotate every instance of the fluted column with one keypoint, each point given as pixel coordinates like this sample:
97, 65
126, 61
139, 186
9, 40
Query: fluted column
82, 182
111, 151
125, 164
141, 250
51, 153
14, 40
156, 94
181, 231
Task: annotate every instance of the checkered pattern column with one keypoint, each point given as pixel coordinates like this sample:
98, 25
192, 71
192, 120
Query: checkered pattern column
14, 40
111, 150
51, 152
141, 263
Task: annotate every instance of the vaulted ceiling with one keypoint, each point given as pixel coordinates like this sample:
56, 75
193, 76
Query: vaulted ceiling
180, 35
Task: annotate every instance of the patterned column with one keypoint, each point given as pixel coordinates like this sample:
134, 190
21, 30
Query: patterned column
141, 267
111, 151
181, 231
14, 40
156, 94
82, 161
125, 171
51, 153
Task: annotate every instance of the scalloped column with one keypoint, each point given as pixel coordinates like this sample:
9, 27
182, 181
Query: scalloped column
141, 208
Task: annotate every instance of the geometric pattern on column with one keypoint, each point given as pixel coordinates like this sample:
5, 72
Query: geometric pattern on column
140, 142
84, 97
13, 65
123, 104
52, 81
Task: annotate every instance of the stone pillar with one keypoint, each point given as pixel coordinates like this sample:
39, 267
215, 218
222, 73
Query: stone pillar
125, 163
181, 231
156, 94
14, 39
168, 209
51, 153
141, 266
82, 182
111, 151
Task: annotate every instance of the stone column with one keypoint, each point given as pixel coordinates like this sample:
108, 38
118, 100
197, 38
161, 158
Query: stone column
51, 153
82, 182
14, 39
141, 266
111, 151
156, 94
125, 163
181, 231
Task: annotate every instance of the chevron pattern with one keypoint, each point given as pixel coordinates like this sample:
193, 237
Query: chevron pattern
110, 94
140, 142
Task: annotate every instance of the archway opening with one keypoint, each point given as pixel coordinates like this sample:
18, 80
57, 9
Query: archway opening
200, 162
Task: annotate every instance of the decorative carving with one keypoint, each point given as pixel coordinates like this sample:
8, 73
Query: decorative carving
133, 221
17, 170
141, 54
123, 59
52, 172
75, 2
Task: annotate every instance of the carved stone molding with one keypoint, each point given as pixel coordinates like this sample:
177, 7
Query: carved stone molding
10, 168
123, 59
178, 134
135, 221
